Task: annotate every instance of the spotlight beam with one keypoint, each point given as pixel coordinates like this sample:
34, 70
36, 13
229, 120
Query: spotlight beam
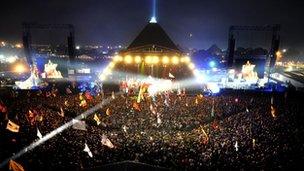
56, 131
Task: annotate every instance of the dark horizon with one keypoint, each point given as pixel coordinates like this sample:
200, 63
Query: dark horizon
118, 22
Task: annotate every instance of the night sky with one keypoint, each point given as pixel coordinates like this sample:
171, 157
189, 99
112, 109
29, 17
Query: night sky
118, 21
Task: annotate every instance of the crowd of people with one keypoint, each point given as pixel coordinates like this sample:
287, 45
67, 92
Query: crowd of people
234, 129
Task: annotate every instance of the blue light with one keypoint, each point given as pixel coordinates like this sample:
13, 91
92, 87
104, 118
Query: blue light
212, 64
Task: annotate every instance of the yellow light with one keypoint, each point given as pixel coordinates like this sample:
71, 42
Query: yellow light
165, 60
175, 60
117, 58
155, 59
148, 59
102, 77
128, 59
20, 68
107, 71
137, 59
111, 65
279, 55
191, 66
18, 45
186, 59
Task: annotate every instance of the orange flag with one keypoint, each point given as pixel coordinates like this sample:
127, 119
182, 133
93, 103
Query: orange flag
108, 112
12, 126
14, 166
136, 106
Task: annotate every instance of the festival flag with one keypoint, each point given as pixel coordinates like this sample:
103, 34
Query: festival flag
166, 102
171, 75
236, 146
66, 103
81, 97
14, 166
83, 103
273, 111
212, 109
158, 119
108, 111
113, 95
96, 118
105, 141
79, 125
12, 126
139, 97
39, 135
61, 113
136, 106
86, 149
88, 95
179, 92
271, 100
124, 128
205, 135
3, 108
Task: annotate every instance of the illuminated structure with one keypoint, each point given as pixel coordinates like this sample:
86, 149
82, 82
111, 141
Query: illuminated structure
152, 53
248, 72
50, 71
31, 82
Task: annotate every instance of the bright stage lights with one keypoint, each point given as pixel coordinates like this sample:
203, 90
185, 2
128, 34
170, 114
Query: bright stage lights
155, 59
165, 60
212, 64
191, 66
148, 59
111, 65
137, 59
117, 58
20, 68
213, 87
128, 59
102, 77
186, 59
175, 60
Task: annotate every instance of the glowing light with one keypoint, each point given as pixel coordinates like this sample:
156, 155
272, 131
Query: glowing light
148, 59
165, 60
77, 47
111, 65
20, 68
212, 64
137, 59
284, 50
107, 71
155, 59
153, 20
213, 87
117, 58
191, 66
279, 55
11, 59
186, 59
18, 45
128, 59
175, 60
289, 68
102, 77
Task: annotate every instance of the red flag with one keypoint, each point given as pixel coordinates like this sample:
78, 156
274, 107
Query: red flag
3, 108
88, 95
